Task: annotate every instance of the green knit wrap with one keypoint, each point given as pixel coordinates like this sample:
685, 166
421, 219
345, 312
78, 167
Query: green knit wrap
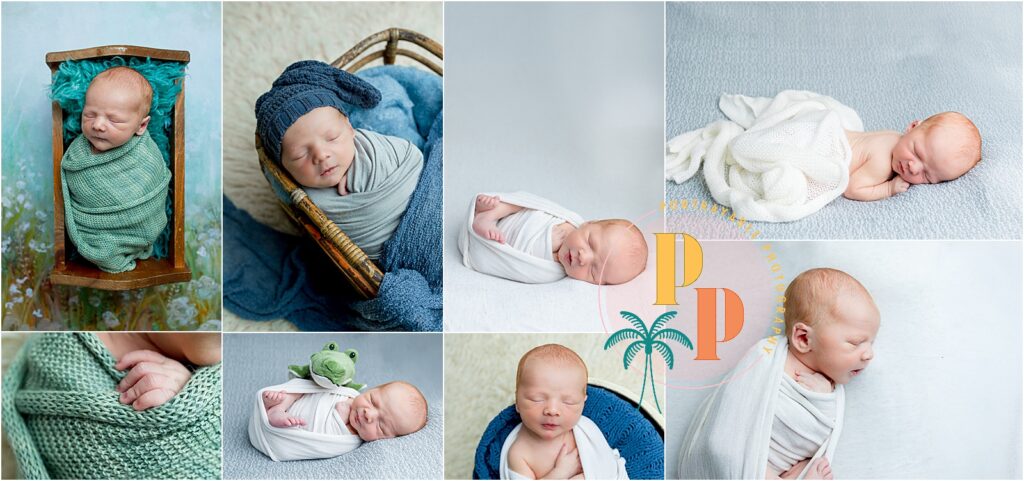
62, 416
114, 201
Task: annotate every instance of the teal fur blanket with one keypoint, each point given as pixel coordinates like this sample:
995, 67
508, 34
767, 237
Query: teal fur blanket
62, 417
114, 201
72, 79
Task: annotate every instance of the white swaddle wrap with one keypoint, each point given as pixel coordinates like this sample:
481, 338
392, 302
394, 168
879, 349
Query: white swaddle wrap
776, 159
598, 459
324, 435
804, 420
526, 254
731, 432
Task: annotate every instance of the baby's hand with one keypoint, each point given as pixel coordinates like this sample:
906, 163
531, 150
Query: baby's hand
898, 186
814, 381
342, 187
567, 464
152, 379
281, 419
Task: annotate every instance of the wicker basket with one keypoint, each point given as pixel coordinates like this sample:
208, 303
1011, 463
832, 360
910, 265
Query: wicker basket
148, 272
353, 263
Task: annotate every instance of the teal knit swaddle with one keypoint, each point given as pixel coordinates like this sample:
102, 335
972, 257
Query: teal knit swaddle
114, 201
62, 417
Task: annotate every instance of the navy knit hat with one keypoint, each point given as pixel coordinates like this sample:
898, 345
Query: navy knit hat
302, 87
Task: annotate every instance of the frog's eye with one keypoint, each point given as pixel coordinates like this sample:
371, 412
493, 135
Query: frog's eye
332, 346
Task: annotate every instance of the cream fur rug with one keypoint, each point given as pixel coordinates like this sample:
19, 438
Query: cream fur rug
260, 40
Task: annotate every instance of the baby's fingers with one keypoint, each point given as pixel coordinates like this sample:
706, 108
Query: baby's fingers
145, 384
138, 372
135, 357
152, 399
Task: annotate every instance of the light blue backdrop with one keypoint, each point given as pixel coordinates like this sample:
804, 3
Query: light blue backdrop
30, 30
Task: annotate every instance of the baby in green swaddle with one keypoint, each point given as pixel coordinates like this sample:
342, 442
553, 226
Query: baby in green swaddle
114, 178
361, 180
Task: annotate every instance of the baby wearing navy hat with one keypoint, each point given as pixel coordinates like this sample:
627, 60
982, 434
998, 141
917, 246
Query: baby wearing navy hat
361, 180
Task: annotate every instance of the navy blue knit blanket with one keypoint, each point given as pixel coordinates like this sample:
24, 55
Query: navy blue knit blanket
270, 275
622, 424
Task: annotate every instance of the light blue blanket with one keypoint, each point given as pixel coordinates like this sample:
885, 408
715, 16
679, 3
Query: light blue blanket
892, 63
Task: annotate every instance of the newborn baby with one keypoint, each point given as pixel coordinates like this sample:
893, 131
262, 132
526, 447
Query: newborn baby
831, 323
383, 412
360, 179
114, 178
551, 389
609, 252
942, 147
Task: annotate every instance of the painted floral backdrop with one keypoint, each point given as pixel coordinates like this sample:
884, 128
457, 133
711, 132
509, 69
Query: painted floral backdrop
30, 302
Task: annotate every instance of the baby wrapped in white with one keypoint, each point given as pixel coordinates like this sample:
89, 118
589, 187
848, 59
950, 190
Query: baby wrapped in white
599, 460
324, 434
776, 159
760, 416
526, 256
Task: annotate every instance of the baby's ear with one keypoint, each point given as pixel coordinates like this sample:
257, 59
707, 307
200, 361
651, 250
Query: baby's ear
801, 337
913, 125
142, 126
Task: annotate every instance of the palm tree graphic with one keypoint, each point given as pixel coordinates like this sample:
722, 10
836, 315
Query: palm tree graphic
649, 340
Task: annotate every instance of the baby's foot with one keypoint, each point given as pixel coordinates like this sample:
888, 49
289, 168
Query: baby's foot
485, 202
484, 224
284, 420
272, 398
819, 470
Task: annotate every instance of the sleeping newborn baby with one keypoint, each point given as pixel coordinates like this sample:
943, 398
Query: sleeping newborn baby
831, 323
782, 158
555, 440
113, 177
360, 179
526, 238
943, 147
383, 412
302, 419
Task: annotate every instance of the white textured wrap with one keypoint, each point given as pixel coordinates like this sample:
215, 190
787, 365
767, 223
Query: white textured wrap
324, 435
731, 431
776, 159
598, 459
525, 237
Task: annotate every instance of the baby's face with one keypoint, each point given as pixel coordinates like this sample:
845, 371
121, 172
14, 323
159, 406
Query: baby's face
383, 413
598, 254
112, 115
930, 157
843, 347
318, 148
550, 397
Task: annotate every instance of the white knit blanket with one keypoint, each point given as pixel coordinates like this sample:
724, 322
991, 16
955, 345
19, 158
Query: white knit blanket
527, 234
776, 159
731, 431
324, 435
599, 460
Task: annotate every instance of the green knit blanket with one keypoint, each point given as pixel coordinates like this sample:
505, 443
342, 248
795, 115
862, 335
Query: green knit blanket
62, 417
114, 200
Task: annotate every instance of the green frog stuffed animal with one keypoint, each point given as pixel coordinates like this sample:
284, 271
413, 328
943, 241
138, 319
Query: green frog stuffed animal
330, 368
